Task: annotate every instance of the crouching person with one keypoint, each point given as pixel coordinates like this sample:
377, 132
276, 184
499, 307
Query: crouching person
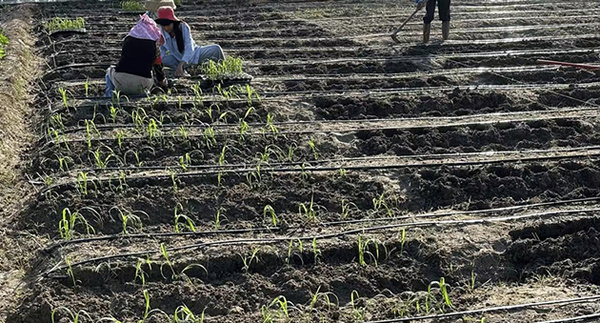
140, 59
180, 49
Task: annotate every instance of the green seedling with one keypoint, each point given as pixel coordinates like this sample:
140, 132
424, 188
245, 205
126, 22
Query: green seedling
60, 24
120, 135
132, 6
358, 313
278, 308
248, 260
152, 130
63, 163
271, 124
114, 113
66, 226
56, 122
402, 240
218, 220
307, 211
72, 317
364, 250
173, 181
268, 210
82, 183
86, 86
64, 96
165, 254
185, 161
313, 148
316, 251
139, 270
346, 207
209, 137
379, 203
229, 67
70, 272
184, 315
101, 162
179, 218
184, 133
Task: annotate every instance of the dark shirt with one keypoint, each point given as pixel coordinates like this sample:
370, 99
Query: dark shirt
138, 57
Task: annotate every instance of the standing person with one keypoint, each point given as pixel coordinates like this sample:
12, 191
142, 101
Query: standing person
140, 57
444, 12
180, 48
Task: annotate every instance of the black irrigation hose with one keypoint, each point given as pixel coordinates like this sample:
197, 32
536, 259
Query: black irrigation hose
267, 241
304, 131
61, 244
342, 121
336, 168
339, 160
567, 301
575, 318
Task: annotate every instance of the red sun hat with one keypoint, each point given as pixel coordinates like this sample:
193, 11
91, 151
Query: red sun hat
166, 15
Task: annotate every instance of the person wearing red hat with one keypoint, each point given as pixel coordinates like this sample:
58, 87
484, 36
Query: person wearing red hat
180, 49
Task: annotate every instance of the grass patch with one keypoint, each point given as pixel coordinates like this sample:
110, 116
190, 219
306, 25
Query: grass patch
132, 6
3, 44
59, 24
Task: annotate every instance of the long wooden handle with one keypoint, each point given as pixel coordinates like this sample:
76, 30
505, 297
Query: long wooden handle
405, 22
583, 66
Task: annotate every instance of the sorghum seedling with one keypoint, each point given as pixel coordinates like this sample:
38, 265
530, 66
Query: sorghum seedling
248, 260
271, 212
189, 223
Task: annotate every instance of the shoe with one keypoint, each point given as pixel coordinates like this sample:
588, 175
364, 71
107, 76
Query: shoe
445, 30
426, 32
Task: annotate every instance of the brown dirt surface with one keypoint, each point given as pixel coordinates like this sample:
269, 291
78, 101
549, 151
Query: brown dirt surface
354, 180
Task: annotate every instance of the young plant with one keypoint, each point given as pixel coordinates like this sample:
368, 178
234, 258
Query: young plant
165, 254
64, 96
248, 260
70, 272
313, 148
185, 161
179, 218
307, 211
66, 226
316, 251
184, 315
268, 210
59, 24
82, 183
132, 5
72, 316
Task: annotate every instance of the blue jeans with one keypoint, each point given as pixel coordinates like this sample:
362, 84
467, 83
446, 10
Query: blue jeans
110, 86
205, 53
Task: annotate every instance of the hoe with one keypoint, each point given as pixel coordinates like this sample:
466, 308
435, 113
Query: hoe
395, 34
582, 66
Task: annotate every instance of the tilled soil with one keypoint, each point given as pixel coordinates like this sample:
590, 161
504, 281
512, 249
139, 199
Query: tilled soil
326, 197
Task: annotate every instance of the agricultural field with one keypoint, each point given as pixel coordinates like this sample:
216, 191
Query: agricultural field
353, 180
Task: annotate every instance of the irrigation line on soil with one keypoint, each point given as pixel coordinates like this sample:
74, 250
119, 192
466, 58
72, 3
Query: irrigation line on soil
221, 171
151, 235
567, 301
469, 31
303, 131
575, 319
340, 160
536, 115
266, 241
517, 81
